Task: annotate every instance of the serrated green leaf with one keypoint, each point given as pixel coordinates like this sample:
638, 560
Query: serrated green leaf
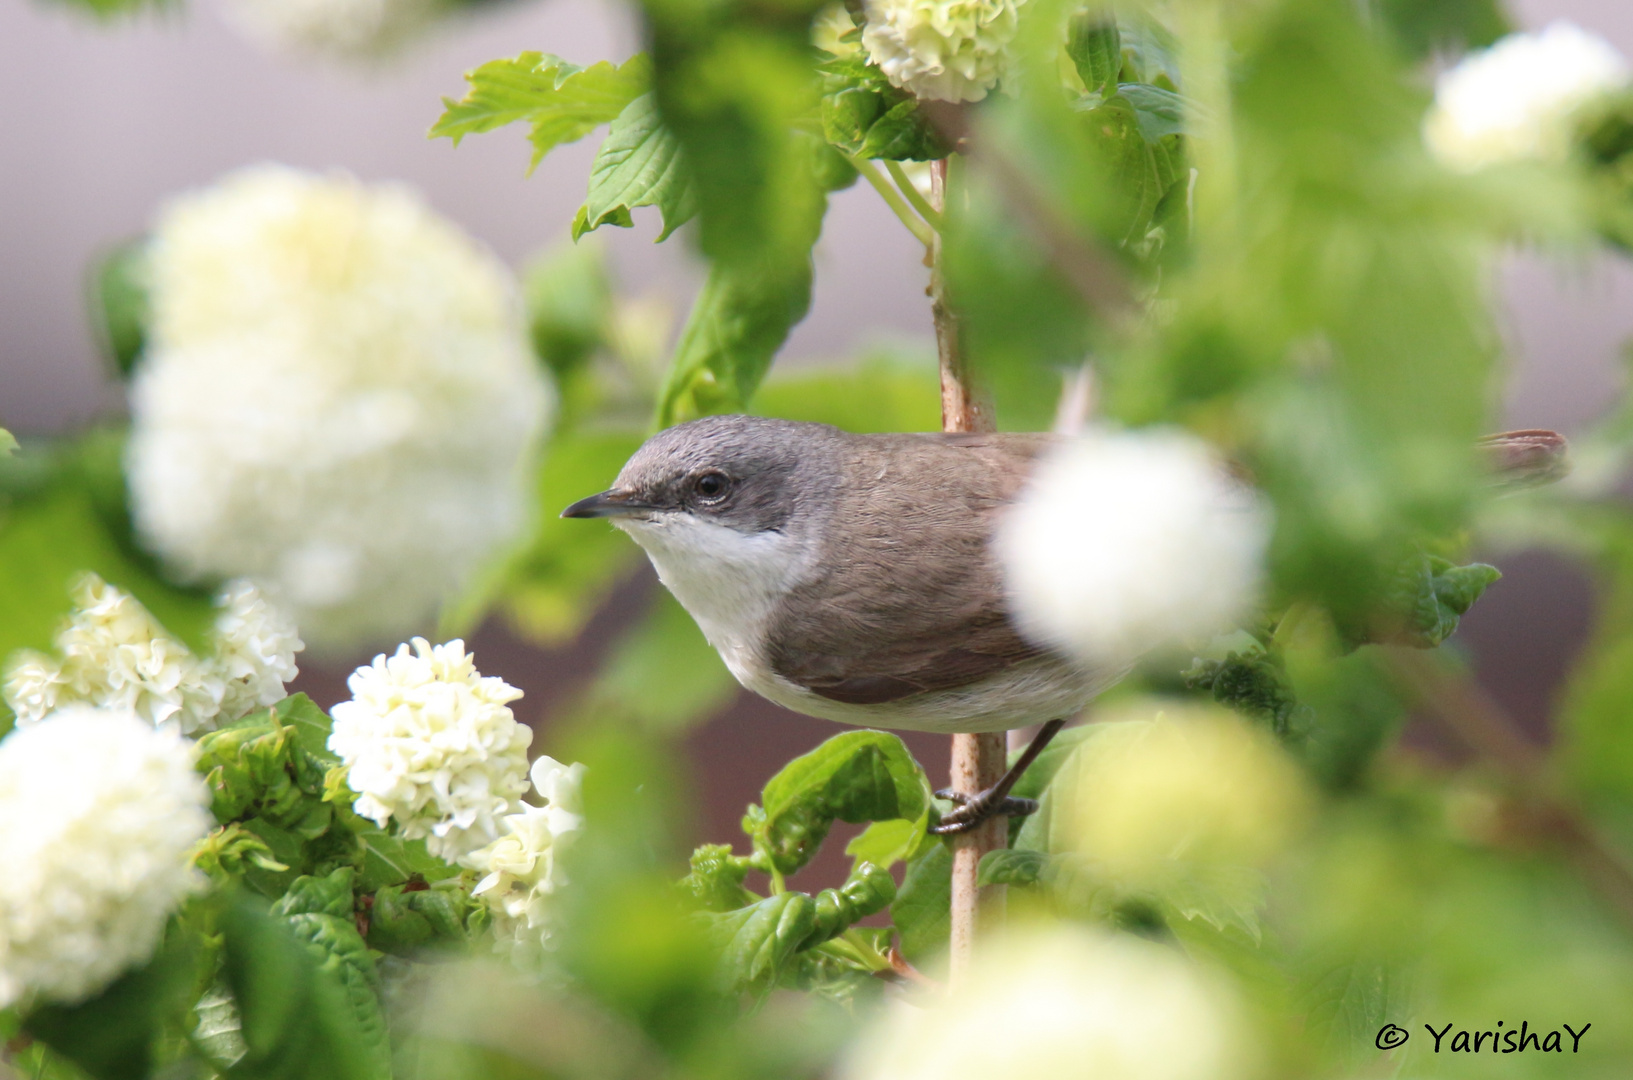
111, 1035
757, 944
327, 895
922, 910
560, 102
1226, 897
296, 1019
310, 725
858, 776
1096, 49
1253, 682
388, 859
867, 117
868, 890
1424, 602
1158, 112
405, 922
715, 881
738, 322
639, 164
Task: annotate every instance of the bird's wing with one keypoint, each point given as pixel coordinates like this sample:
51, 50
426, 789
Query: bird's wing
916, 601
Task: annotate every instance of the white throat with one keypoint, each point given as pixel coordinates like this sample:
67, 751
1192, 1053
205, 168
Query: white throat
729, 581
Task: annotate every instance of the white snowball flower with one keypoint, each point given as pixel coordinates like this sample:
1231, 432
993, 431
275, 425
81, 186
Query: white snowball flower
945, 50
255, 652
339, 401
116, 655
522, 870
430, 742
1518, 100
345, 29
1124, 542
98, 813
1067, 1004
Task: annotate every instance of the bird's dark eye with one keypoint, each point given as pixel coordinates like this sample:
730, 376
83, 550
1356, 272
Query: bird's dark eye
711, 485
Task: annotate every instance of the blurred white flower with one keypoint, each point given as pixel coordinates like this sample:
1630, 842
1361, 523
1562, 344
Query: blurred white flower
522, 868
339, 401
1067, 1004
430, 742
98, 812
1519, 99
1193, 787
346, 29
1124, 542
944, 50
116, 655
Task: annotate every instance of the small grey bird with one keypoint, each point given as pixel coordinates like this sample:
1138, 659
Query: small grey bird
852, 577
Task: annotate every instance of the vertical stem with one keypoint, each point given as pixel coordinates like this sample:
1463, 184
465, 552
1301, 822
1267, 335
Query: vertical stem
977, 760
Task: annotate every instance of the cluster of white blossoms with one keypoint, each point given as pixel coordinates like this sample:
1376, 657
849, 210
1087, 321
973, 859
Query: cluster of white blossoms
1126, 542
339, 401
112, 653
1069, 1004
523, 867
943, 50
98, 814
429, 742
345, 29
1520, 99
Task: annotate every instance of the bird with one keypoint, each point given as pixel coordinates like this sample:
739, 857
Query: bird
852, 577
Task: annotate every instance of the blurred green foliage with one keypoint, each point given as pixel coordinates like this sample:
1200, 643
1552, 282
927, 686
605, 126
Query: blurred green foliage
1227, 210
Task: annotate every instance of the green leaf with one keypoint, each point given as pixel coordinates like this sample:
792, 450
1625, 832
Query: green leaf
738, 322
1096, 49
881, 392
1008, 866
388, 860
867, 117
716, 878
1158, 112
1424, 602
405, 922
327, 895
297, 1020
310, 725
858, 776
922, 910
560, 102
887, 843
757, 944
639, 164
1421, 27
868, 890
68, 516
120, 306
1254, 683
111, 1035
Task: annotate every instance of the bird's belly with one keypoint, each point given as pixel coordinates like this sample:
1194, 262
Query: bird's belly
1021, 696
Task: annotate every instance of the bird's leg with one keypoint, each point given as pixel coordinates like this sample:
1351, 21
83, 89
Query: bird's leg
975, 810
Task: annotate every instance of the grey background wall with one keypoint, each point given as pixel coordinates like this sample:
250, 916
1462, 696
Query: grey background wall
101, 124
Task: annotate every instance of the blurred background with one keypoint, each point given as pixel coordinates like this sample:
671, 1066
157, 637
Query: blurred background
105, 122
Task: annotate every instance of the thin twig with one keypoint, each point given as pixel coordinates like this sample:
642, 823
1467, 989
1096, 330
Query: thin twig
916, 225
977, 760
911, 190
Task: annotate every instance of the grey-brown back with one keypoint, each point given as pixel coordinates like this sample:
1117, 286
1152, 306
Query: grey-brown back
914, 600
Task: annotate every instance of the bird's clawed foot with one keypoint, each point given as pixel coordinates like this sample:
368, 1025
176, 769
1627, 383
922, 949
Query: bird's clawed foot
976, 810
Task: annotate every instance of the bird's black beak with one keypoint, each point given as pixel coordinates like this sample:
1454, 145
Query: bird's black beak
614, 503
